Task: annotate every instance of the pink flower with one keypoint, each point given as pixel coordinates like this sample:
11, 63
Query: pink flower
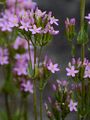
3, 56
70, 22
28, 87
87, 74
13, 21
35, 30
39, 13
87, 71
21, 64
71, 71
88, 18
53, 21
20, 42
29, 4
53, 67
72, 106
5, 26
25, 25
23, 14
53, 32
21, 69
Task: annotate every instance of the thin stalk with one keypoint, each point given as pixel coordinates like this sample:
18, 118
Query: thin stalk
35, 100
82, 14
7, 107
34, 94
29, 51
41, 103
20, 109
25, 108
39, 56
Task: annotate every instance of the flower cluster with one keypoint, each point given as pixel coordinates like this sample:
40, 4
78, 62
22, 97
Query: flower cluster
62, 103
25, 16
75, 67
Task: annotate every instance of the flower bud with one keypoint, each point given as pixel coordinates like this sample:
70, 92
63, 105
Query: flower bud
70, 28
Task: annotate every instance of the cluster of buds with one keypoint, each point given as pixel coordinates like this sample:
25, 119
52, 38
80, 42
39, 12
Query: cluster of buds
70, 28
62, 103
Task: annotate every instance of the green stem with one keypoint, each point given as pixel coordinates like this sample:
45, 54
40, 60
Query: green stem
34, 94
25, 108
7, 107
39, 56
35, 100
41, 102
82, 14
20, 109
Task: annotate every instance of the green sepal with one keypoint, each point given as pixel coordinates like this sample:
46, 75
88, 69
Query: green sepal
83, 35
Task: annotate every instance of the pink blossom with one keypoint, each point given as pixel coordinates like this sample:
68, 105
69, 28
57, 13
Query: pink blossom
53, 32
88, 18
21, 64
28, 87
3, 56
20, 69
72, 106
29, 4
53, 21
70, 22
20, 42
5, 26
87, 74
13, 21
87, 71
23, 14
35, 30
25, 25
53, 67
39, 13
71, 71
54, 87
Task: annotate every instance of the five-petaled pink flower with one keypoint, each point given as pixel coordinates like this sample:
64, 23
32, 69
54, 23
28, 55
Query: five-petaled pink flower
28, 86
53, 67
71, 71
35, 30
53, 21
72, 106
